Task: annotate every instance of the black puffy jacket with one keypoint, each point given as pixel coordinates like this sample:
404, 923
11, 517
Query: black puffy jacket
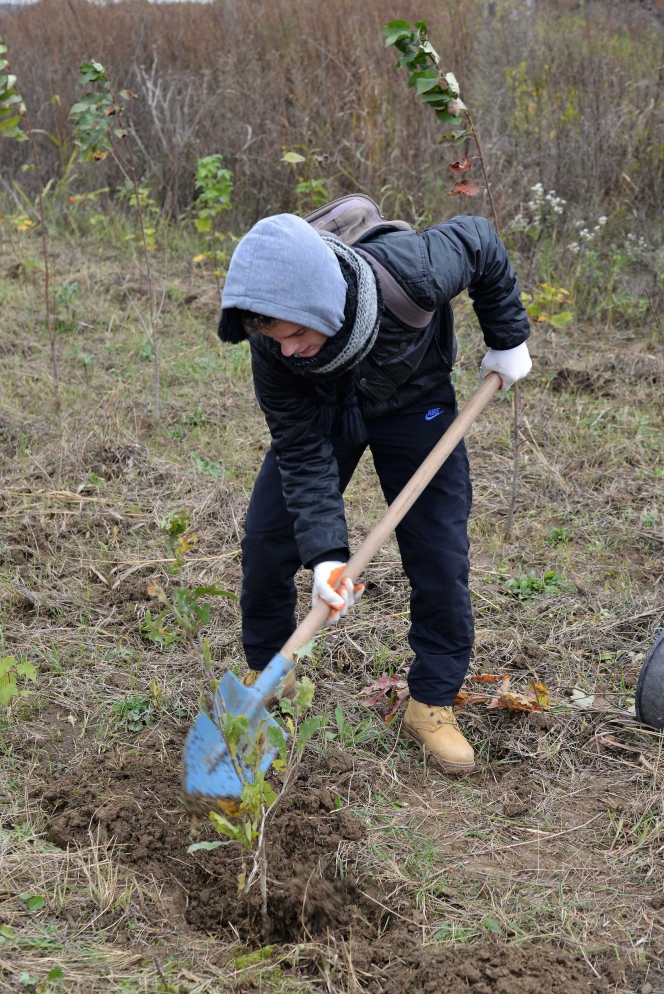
433, 267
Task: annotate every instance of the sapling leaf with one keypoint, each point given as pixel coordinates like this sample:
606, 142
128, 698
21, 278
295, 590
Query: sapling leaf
398, 25
427, 82
305, 651
213, 591
304, 694
292, 157
306, 729
276, 739
223, 825
207, 846
452, 83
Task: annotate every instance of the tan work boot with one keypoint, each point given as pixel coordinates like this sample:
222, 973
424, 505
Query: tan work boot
436, 730
288, 690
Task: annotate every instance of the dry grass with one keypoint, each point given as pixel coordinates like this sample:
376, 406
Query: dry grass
562, 95
559, 836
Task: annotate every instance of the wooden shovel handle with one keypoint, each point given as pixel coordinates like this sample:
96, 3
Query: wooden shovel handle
402, 503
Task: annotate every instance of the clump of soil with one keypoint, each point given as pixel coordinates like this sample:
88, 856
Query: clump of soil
133, 798
399, 965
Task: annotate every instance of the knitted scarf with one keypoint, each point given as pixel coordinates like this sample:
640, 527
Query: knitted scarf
331, 367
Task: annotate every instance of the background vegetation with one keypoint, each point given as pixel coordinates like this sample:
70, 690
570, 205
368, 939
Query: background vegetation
381, 872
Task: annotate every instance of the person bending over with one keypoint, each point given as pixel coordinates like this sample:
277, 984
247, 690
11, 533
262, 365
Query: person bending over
336, 371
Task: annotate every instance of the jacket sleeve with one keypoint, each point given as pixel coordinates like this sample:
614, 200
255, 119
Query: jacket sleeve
308, 468
466, 253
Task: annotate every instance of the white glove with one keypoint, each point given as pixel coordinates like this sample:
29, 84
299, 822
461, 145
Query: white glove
510, 364
326, 576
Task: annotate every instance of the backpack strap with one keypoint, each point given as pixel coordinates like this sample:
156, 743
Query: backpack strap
399, 303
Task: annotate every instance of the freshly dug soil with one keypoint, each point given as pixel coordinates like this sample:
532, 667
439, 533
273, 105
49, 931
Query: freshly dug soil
399, 965
133, 798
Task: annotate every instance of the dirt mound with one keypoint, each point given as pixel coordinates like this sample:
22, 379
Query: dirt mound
133, 797
401, 965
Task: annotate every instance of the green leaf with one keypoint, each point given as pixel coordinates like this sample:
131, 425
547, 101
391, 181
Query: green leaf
292, 157
400, 25
446, 118
439, 101
304, 693
7, 664
305, 651
35, 903
276, 737
224, 826
306, 729
28, 670
560, 320
57, 973
395, 36
7, 931
421, 74
213, 591
197, 846
426, 83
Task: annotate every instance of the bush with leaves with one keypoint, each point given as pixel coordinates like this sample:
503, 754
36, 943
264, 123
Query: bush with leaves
214, 189
11, 672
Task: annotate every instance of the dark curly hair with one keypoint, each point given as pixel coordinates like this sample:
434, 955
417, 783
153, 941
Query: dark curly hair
252, 322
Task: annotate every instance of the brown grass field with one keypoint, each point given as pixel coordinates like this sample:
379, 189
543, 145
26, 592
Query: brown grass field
542, 872
383, 874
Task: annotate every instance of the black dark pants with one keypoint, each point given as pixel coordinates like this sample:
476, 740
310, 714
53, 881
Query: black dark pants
433, 541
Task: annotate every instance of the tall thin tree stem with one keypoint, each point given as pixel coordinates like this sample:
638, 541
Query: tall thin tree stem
480, 154
515, 466
47, 297
146, 253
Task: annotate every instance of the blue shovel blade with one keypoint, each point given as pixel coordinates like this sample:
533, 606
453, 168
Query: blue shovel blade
208, 771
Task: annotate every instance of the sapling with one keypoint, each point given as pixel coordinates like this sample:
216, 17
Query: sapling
440, 90
100, 131
311, 189
214, 187
13, 117
186, 613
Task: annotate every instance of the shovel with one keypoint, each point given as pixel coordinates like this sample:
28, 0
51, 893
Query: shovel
210, 775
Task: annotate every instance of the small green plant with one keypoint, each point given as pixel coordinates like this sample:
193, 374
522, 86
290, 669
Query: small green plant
183, 610
204, 464
560, 536
544, 305
133, 714
349, 736
10, 674
66, 294
529, 585
214, 190
311, 189
99, 131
